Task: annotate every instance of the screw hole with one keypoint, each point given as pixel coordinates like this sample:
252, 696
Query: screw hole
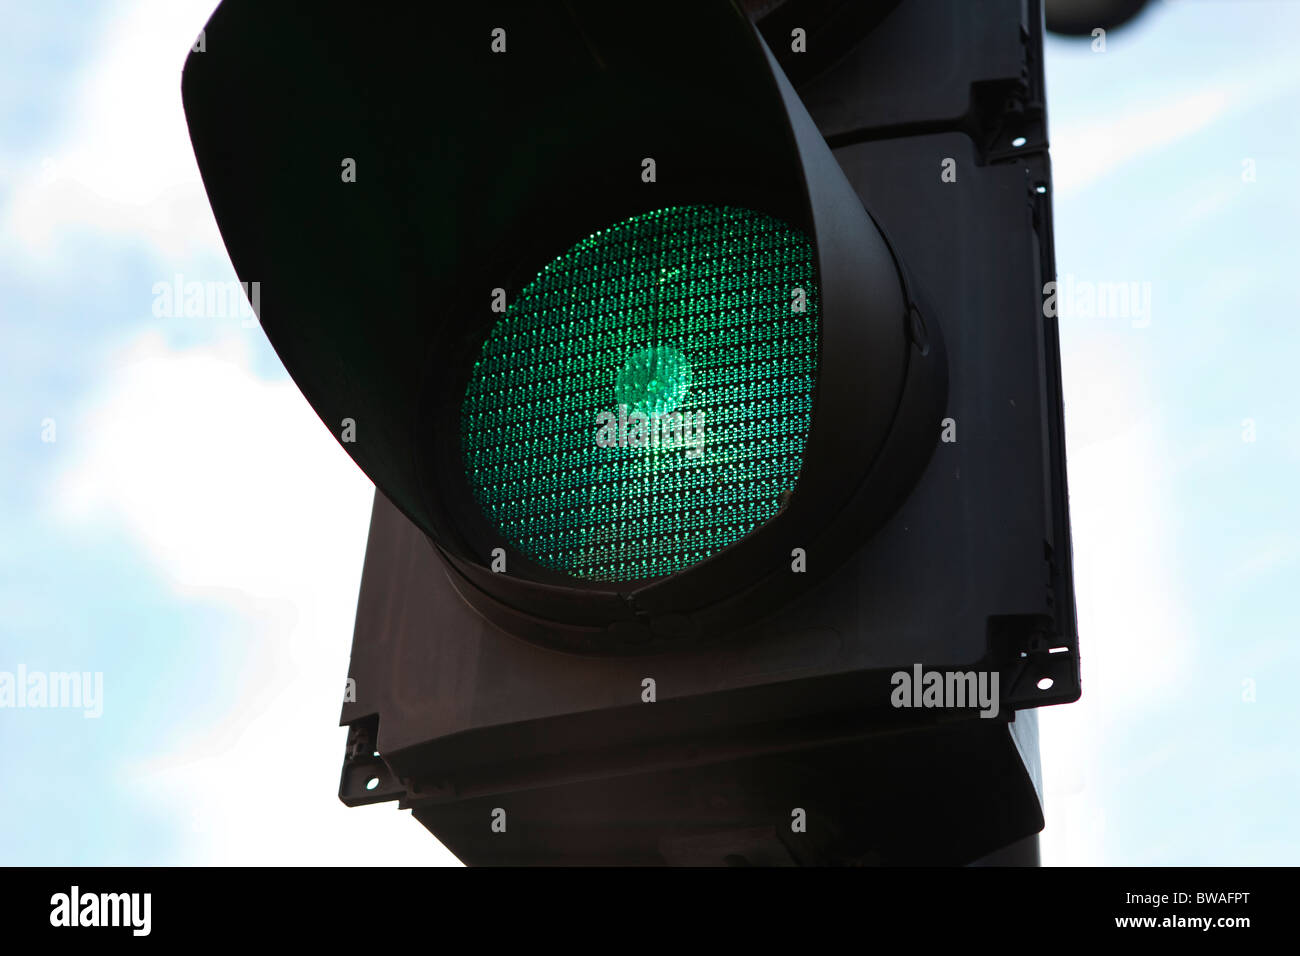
1019, 141
372, 783
1045, 683
1041, 189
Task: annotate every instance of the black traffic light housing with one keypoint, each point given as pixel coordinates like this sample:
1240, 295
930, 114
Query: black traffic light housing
931, 224
379, 315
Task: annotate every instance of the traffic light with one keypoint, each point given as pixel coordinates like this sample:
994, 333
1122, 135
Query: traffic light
714, 420
1082, 17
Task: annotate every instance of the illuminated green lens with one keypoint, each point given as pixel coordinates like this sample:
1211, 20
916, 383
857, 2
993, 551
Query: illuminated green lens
645, 401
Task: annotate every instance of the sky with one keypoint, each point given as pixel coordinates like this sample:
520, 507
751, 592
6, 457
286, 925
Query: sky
178, 519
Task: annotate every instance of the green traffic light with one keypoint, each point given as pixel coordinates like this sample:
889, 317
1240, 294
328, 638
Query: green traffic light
644, 402
654, 381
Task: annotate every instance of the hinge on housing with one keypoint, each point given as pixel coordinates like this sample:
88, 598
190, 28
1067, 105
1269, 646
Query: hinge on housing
366, 778
1038, 666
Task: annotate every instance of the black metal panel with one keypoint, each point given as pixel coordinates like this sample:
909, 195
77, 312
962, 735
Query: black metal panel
929, 64
468, 720
946, 796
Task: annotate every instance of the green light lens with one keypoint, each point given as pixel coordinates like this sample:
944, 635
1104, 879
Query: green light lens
645, 401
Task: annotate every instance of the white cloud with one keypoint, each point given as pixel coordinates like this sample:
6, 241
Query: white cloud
1092, 148
1086, 152
238, 494
1132, 631
231, 486
125, 166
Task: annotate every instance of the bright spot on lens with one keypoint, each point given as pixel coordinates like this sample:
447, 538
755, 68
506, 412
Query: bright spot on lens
653, 381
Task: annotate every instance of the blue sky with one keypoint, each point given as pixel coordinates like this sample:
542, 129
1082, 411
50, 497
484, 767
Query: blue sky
164, 537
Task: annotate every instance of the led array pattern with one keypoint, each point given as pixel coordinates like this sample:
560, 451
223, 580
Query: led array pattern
645, 401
